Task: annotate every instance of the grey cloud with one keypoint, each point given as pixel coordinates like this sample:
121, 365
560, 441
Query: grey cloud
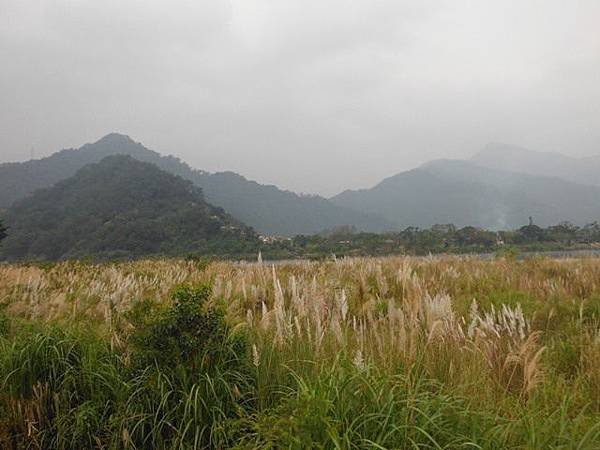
316, 96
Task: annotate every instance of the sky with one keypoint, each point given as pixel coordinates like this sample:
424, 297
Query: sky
316, 96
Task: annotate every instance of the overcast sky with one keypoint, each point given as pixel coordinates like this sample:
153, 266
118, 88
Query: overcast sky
311, 95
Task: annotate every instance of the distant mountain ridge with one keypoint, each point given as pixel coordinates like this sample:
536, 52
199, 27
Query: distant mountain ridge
518, 159
464, 193
117, 207
267, 209
499, 188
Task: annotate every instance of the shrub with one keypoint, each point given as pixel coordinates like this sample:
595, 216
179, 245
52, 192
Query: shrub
188, 334
510, 253
201, 262
189, 369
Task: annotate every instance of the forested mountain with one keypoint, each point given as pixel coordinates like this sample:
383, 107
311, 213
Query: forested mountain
120, 207
517, 159
274, 211
266, 208
499, 188
463, 193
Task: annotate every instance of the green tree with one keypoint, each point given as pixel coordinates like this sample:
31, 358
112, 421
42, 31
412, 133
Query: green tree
2, 231
564, 232
531, 233
590, 232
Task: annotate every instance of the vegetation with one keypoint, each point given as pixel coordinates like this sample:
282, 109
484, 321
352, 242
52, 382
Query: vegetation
518, 159
462, 192
121, 207
345, 241
2, 231
188, 232
267, 209
404, 353
466, 194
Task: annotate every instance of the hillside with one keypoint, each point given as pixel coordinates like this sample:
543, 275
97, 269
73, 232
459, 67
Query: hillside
267, 209
120, 207
460, 192
517, 159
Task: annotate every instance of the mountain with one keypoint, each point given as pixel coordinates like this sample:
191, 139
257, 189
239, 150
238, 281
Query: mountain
274, 211
463, 193
517, 159
120, 207
267, 209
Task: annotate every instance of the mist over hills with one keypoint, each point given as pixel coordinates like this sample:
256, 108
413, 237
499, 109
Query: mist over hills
499, 188
464, 193
267, 209
120, 207
18, 180
518, 159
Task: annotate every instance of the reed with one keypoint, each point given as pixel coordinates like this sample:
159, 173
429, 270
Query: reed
397, 352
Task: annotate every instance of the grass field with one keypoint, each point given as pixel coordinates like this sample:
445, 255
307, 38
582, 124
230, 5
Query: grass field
403, 353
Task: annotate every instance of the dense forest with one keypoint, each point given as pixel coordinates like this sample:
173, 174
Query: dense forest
267, 209
120, 207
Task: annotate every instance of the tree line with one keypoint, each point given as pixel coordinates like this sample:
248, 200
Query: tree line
441, 238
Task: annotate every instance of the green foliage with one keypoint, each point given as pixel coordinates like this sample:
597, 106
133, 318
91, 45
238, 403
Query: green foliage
266, 208
121, 208
187, 334
187, 364
590, 310
66, 381
201, 262
3, 231
508, 252
4, 321
444, 238
345, 407
496, 299
180, 376
189, 376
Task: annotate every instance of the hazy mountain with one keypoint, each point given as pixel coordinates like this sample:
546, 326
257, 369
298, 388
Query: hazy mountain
518, 159
120, 206
463, 193
266, 208
18, 180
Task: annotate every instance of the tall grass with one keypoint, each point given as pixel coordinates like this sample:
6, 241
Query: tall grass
432, 353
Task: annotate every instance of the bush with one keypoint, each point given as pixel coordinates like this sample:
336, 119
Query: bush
189, 369
510, 253
188, 334
188, 377
201, 262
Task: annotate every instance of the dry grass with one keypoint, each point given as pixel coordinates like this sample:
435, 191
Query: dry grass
498, 332
386, 310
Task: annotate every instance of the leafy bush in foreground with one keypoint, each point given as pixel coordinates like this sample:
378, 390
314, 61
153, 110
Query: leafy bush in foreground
66, 388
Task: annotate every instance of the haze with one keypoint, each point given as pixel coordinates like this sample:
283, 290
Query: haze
314, 96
